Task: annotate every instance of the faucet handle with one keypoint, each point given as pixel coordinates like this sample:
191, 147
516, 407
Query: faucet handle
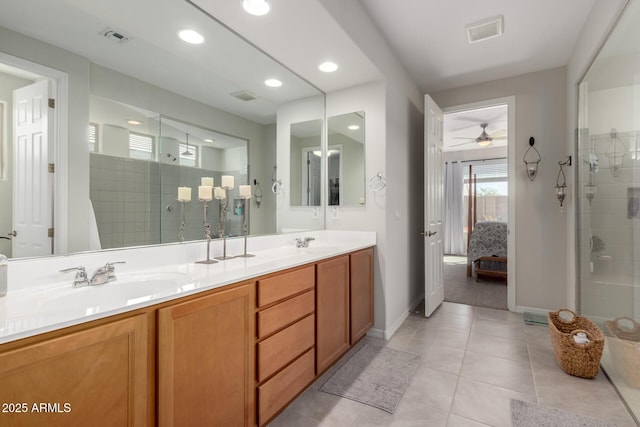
81, 276
110, 265
308, 239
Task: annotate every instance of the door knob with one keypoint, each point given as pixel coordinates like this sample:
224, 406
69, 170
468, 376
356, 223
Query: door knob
14, 233
428, 233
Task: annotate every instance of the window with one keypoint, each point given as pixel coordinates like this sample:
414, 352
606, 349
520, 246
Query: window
141, 146
93, 138
491, 189
186, 159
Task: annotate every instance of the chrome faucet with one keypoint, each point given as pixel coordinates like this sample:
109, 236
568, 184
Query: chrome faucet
101, 276
104, 274
81, 276
303, 243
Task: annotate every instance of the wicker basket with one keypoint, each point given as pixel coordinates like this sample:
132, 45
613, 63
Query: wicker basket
580, 360
624, 346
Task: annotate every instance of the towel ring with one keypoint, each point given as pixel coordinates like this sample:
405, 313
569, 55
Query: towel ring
377, 182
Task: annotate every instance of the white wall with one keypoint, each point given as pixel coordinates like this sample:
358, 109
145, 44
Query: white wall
541, 226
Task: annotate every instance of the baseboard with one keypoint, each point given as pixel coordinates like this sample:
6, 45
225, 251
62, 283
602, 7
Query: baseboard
522, 309
375, 333
388, 333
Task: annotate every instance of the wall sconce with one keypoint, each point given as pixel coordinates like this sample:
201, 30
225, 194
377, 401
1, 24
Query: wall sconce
615, 152
532, 162
561, 181
590, 192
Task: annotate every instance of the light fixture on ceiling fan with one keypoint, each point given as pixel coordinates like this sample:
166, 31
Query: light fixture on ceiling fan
483, 140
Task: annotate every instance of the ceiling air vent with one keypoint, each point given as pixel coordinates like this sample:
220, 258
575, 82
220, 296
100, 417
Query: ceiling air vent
244, 95
115, 35
484, 30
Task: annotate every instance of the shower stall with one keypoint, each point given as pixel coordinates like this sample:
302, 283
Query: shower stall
608, 214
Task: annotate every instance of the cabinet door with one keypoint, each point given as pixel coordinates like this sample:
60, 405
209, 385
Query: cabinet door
206, 360
97, 376
332, 311
361, 293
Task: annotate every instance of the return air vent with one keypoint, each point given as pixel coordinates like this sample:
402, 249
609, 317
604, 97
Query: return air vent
484, 30
115, 36
244, 95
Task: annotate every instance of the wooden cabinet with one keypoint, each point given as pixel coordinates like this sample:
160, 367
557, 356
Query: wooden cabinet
332, 311
361, 293
285, 338
96, 376
206, 360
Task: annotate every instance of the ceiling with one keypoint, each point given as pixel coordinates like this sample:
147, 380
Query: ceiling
427, 36
462, 127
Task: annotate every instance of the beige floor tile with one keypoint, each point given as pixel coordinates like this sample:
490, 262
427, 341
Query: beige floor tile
510, 374
408, 414
432, 387
458, 421
498, 315
485, 403
499, 329
449, 319
505, 348
452, 307
442, 336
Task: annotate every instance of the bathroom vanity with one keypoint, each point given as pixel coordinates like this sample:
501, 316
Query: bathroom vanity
232, 344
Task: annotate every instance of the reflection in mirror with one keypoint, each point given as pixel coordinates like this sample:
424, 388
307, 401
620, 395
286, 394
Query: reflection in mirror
306, 165
216, 85
138, 161
346, 174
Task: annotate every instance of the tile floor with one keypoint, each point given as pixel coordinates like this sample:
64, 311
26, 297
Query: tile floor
475, 360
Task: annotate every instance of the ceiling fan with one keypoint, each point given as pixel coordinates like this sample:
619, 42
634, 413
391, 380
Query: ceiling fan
484, 139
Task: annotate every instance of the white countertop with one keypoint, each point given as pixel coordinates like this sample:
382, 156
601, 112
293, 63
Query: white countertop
41, 299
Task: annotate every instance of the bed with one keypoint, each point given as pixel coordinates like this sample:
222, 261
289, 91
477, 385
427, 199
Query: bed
487, 251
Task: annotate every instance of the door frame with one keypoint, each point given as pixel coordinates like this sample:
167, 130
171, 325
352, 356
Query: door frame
510, 102
60, 89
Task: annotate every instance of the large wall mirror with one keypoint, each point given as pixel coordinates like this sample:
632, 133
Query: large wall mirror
101, 58
306, 163
345, 160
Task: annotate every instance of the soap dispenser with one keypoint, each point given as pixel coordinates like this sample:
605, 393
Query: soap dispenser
4, 266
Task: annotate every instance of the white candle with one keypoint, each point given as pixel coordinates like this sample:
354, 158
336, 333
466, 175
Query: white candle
227, 182
204, 192
184, 194
244, 191
206, 180
219, 193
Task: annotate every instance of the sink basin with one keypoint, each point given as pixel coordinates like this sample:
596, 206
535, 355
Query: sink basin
127, 289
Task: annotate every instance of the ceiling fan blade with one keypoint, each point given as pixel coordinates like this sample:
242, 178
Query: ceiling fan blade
473, 138
462, 143
499, 138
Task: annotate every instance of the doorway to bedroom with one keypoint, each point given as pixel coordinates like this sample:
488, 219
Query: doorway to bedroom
476, 169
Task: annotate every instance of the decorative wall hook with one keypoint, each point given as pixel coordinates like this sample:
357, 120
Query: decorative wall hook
561, 181
616, 150
532, 161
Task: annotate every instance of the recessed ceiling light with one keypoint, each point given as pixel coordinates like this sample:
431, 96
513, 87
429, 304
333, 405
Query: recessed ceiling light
209, 140
328, 67
273, 82
256, 7
134, 122
190, 36
353, 127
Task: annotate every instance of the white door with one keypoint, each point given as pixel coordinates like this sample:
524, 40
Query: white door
433, 207
32, 182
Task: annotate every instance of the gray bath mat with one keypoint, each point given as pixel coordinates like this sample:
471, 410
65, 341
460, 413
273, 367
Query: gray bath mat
375, 376
526, 414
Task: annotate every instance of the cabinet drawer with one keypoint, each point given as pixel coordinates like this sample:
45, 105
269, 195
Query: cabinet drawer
281, 348
278, 287
280, 315
281, 389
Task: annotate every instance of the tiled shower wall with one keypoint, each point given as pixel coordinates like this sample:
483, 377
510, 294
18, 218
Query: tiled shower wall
611, 230
135, 205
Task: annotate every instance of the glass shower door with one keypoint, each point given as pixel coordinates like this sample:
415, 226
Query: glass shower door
608, 214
